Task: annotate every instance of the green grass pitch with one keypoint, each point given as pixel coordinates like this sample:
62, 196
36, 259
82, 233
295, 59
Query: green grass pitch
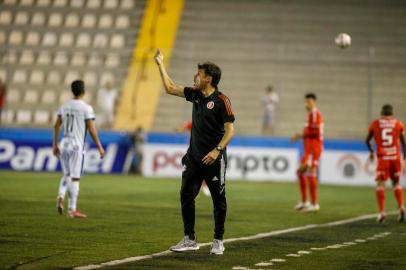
131, 216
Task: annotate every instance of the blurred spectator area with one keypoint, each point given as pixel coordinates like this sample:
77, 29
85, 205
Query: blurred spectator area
291, 44
45, 44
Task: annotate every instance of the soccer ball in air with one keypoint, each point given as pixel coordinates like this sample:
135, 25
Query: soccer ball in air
343, 40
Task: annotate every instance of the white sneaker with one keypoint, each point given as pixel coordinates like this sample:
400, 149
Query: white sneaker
302, 205
381, 217
185, 244
312, 208
206, 191
217, 247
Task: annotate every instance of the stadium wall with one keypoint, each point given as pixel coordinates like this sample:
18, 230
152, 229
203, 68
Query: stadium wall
344, 162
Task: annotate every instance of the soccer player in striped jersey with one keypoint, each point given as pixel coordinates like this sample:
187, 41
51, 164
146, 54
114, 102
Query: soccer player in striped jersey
388, 133
76, 117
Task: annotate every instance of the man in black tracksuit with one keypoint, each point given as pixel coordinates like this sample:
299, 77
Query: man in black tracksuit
206, 158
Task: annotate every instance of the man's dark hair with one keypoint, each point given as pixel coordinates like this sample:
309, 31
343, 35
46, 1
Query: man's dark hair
311, 96
78, 87
213, 71
387, 110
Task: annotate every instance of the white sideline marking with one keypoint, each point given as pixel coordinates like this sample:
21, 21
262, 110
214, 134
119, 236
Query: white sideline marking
292, 255
303, 252
335, 246
230, 240
360, 241
278, 260
316, 248
349, 243
245, 268
264, 264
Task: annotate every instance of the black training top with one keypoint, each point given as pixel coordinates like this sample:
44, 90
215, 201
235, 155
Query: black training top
208, 118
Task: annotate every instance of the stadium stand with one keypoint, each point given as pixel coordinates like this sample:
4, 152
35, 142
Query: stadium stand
290, 44
141, 88
45, 44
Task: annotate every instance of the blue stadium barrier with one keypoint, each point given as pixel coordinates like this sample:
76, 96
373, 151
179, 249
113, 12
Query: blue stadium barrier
31, 149
257, 141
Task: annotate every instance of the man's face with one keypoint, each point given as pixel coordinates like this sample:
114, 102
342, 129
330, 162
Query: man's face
310, 104
201, 80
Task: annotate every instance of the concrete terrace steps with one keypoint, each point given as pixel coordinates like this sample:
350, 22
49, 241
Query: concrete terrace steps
290, 44
94, 54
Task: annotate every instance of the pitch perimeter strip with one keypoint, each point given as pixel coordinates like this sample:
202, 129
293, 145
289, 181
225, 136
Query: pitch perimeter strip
230, 240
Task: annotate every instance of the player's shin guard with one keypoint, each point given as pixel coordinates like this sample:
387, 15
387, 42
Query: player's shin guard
63, 186
313, 185
380, 198
73, 195
302, 185
398, 192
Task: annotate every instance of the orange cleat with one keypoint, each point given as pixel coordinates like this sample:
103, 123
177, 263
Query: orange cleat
76, 214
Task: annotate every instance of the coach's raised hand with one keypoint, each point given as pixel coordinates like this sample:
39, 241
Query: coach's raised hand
170, 86
158, 57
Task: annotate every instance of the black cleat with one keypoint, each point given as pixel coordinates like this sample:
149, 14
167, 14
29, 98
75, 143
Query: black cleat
59, 205
401, 217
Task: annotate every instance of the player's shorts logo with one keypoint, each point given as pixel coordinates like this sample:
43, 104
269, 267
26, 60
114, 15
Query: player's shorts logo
210, 105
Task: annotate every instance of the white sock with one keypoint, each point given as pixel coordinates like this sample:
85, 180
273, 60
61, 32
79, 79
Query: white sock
63, 186
73, 195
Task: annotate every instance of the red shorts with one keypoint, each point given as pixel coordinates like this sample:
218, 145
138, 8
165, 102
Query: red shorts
388, 168
311, 156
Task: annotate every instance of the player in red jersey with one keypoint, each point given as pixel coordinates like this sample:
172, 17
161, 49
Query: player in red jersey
312, 148
185, 127
388, 135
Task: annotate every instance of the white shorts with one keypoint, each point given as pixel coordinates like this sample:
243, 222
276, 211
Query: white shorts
72, 158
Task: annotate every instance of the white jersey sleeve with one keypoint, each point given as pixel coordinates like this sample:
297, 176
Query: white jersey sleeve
89, 114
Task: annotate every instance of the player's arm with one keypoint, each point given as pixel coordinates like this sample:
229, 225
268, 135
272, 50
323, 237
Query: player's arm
170, 86
228, 134
296, 137
57, 126
93, 133
369, 145
403, 144
211, 157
